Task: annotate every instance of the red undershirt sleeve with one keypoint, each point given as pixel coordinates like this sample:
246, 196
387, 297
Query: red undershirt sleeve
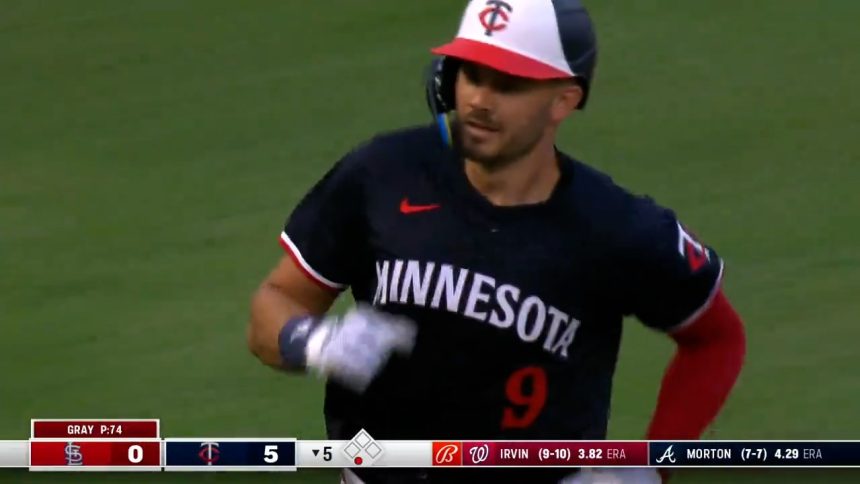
709, 356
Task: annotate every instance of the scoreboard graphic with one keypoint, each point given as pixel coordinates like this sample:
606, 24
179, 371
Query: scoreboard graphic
137, 445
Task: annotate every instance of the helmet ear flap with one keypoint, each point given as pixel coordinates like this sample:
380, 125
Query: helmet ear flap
441, 78
440, 81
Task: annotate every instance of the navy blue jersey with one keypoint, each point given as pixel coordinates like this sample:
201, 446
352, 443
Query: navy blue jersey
519, 308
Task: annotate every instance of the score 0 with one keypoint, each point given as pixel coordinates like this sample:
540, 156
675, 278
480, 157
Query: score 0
143, 454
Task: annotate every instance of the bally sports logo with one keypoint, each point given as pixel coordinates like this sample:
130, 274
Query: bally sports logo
447, 453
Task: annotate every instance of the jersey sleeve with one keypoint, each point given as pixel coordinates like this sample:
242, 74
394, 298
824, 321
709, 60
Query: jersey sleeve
324, 232
672, 275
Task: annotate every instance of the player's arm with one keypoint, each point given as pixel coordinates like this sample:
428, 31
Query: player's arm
290, 330
285, 296
676, 288
325, 240
708, 359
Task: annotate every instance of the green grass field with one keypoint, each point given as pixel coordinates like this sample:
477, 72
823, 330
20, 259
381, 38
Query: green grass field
150, 151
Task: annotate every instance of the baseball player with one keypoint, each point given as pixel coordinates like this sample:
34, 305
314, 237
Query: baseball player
492, 271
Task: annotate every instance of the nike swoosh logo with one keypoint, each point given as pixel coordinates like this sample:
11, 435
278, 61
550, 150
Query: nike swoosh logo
406, 208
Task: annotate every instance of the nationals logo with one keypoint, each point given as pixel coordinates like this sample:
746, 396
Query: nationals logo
495, 17
479, 454
447, 453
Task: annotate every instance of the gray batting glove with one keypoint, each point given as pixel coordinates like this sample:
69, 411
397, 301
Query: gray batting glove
353, 349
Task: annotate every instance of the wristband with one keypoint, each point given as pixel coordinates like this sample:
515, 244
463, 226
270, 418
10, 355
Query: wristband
293, 341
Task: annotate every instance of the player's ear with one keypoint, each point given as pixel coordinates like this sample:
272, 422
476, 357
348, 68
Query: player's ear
568, 96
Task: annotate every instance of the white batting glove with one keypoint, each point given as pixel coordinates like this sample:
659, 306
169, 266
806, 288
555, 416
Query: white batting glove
352, 349
614, 476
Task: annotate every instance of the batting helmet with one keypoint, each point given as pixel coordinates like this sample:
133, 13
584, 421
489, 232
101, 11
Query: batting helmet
537, 39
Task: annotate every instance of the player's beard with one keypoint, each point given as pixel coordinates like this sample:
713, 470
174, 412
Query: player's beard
518, 145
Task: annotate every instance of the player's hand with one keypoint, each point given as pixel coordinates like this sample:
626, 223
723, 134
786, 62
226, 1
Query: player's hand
614, 476
352, 349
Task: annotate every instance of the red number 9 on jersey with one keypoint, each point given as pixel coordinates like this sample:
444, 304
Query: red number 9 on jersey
531, 403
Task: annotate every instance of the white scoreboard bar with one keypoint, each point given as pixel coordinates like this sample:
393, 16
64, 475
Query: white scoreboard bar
14, 453
364, 453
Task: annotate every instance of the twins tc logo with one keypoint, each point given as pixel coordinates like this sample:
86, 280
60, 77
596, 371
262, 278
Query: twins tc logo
696, 254
495, 17
209, 452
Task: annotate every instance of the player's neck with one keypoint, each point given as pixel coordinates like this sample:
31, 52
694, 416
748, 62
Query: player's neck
528, 180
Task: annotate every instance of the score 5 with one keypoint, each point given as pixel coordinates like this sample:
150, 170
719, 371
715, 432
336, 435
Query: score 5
229, 454
270, 454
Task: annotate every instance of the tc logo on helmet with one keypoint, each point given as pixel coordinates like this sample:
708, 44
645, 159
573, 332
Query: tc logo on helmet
495, 17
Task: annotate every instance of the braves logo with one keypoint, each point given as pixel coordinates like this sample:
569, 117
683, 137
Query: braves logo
668, 454
495, 17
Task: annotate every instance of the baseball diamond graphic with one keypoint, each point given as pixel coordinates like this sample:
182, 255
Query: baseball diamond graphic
362, 448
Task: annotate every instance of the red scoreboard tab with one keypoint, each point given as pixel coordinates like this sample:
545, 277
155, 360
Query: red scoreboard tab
555, 453
447, 454
94, 429
69, 455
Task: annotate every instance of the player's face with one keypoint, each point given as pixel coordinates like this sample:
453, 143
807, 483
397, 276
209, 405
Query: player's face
501, 118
